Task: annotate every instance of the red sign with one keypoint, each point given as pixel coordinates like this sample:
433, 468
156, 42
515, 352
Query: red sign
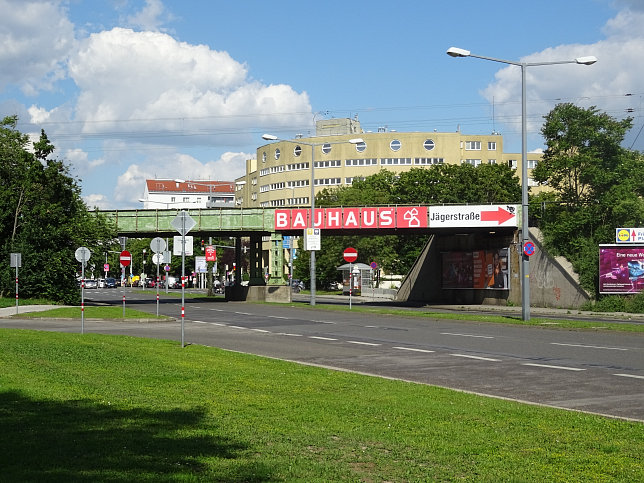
211, 253
350, 254
353, 218
528, 248
126, 258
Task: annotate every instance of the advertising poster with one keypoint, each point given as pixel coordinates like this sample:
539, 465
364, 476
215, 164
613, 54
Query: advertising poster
480, 269
621, 269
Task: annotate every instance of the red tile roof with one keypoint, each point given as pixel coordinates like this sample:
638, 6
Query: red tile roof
188, 186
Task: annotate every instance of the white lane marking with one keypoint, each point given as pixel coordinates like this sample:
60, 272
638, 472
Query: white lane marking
363, 343
468, 335
290, 335
277, 317
261, 330
218, 324
237, 327
553, 367
243, 313
217, 310
320, 338
590, 346
414, 350
323, 322
478, 358
200, 322
629, 375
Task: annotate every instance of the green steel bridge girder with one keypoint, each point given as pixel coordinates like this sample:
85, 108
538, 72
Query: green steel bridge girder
209, 221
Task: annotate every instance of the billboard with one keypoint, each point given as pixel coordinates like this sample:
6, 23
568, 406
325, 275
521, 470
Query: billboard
478, 269
621, 269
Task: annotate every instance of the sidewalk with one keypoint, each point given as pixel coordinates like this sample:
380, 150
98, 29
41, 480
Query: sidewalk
23, 309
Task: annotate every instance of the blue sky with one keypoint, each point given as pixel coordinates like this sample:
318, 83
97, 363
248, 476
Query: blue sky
135, 89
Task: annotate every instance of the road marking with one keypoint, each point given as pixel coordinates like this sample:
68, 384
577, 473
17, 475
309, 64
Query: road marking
323, 322
237, 327
478, 358
217, 310
362, 343
218, 324
243, 313
414, 350
290, 335
277, 317
261, 330
468, 335
553, 367
320, 338
591, 346
629, 375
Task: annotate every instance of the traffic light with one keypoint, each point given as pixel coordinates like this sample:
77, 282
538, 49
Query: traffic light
203, 245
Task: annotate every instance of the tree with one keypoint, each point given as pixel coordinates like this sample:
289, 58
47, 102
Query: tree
596, 185
43, 217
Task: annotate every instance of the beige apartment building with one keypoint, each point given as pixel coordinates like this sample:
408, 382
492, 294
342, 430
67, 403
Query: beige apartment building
280, 176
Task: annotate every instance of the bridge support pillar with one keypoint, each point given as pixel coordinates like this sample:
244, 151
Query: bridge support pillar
277, 260
255, 261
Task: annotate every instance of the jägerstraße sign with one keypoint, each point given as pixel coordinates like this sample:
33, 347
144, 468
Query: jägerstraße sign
473, 216
399, 217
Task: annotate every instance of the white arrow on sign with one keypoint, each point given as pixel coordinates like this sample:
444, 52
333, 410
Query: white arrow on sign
183, 222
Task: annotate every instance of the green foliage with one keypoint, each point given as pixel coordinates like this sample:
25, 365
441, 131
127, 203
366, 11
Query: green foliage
43, 217
596, 184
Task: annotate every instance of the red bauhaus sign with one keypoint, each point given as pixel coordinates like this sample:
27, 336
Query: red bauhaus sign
365, 217
353, 218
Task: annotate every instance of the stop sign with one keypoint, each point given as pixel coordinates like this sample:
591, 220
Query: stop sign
350, 254
126, 258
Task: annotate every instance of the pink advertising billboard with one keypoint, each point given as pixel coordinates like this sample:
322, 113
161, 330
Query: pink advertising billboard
621, 269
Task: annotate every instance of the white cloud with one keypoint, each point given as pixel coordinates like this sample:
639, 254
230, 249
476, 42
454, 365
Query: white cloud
151, 17
162, 85
36, 38
604, 84
97, 201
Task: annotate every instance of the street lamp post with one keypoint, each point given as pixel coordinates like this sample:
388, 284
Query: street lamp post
525, 236
270, 137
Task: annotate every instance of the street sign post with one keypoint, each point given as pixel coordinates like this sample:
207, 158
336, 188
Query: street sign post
16, 262
125, 259
82, 255
183, 223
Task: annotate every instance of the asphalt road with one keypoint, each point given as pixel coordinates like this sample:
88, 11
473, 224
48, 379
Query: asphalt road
594, 371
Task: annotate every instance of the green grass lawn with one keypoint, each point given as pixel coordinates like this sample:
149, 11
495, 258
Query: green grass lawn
111, 408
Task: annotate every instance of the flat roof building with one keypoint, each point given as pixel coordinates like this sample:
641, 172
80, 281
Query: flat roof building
281, 173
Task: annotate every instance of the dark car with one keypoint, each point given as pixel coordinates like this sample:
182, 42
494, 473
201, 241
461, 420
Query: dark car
110, 283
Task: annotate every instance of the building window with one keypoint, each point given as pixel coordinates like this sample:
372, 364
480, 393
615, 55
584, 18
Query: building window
186, 199
491, 161
361, 146
297, 151
532, 163
334, 163
395, 161
361, 162
512, 163
277, 153
429, 144
491, 146
264, 157
472, 145
473, 162
395, 145
173, 199
326, 148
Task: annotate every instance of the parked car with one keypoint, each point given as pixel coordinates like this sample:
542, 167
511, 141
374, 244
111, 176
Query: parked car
91, 283
110, 283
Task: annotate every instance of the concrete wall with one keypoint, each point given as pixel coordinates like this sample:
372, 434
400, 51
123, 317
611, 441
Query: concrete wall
551, 283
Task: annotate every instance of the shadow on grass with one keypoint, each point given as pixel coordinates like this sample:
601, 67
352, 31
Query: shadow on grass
86, 441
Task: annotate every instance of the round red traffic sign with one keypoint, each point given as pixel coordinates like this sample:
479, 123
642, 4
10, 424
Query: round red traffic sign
529, 248
126, 258
350, 254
